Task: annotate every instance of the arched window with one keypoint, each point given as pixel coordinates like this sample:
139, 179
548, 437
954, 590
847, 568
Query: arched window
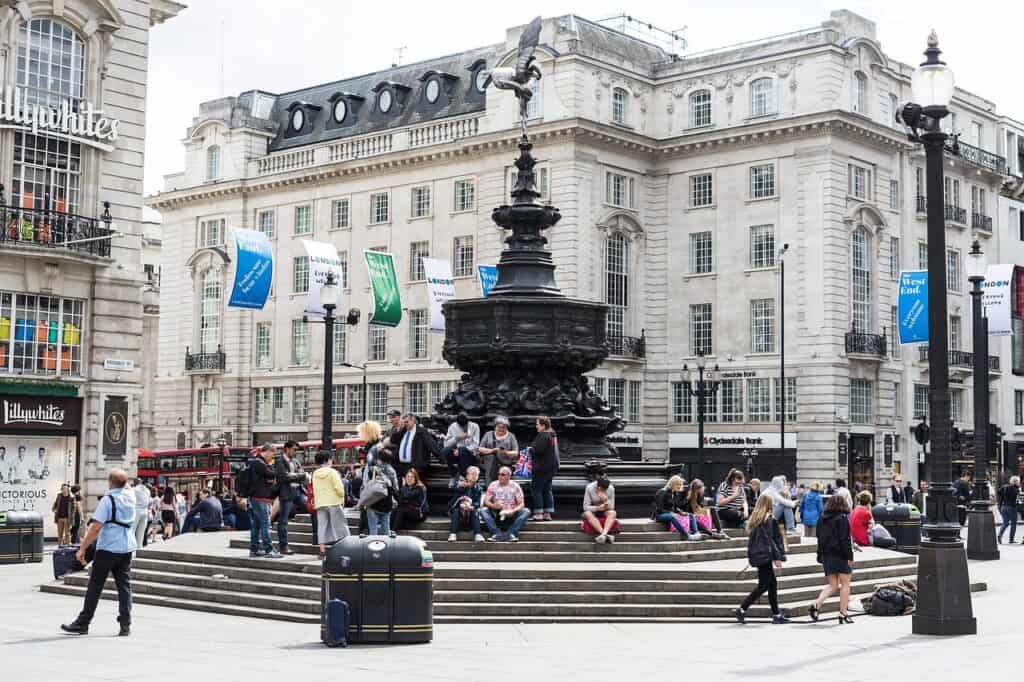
700, 109
620, 99
212, 163
860, 93
617, 283
209, 310
762, 97
860, 265
50, 62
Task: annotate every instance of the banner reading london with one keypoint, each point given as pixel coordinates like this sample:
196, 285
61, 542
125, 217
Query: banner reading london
387, 303
323, 258
440, 288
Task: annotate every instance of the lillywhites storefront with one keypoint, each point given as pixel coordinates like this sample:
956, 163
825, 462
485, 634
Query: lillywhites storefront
757, 454
39, 450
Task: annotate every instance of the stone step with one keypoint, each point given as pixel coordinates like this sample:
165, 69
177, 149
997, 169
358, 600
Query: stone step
529, 533
440, 522
231, 585
255, 575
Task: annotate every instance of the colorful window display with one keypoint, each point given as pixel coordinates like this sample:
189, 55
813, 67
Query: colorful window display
40, 335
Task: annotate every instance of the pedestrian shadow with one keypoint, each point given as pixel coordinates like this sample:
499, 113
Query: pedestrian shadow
39, 640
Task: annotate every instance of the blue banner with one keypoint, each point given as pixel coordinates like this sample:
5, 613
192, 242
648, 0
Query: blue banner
254, 270
912, 306
488, 275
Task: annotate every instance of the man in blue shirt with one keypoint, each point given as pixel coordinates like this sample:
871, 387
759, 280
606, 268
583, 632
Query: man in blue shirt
111, 529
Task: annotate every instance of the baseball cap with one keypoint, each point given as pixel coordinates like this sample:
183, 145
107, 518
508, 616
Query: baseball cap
394, 413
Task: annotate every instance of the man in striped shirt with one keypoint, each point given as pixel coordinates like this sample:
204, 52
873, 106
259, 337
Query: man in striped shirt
732, 500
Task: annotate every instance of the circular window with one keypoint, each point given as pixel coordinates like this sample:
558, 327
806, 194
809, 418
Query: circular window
298, 119
481, 79
433, 90
340, 110
384, 101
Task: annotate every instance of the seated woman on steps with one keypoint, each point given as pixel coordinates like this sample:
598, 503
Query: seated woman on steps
668, 509
704, 518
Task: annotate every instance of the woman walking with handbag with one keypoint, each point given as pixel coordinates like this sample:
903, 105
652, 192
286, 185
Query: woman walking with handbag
835, 554
764, 550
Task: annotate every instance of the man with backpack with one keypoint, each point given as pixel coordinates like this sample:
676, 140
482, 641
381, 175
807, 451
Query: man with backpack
256, 483
1008, 495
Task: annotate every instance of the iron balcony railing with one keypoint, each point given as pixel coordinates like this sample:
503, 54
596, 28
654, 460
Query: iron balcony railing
866, 344
205, 362
55, 229
963, 359
980, 158
955, 214
627, 346
922, 204
981, 222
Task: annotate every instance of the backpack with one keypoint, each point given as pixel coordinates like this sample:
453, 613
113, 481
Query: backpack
894, 599
243, 480
113, 514
761, 548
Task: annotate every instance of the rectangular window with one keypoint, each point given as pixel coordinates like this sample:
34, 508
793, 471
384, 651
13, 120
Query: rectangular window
208, 407
264, 357
759, 402
701, 257
921, 407
894, 257
380, 208
762, 181
682, 403
355, 403
922, 256
701, 190
956, 404
762, 97
894, 316
378, 402
859, 182
465, 195
417, 252
300, 274
343, 266
619, 106
417, 334
700, 109
340, 335
634, 402
265, 222
300, 342
956, 332
303, 220
599, 387
898, 400
300, 404
280, 406
617, 395
420, 202
439, 390
953, 274
619, 190
378, 344
338, 404
762, 246
261, 405
919, 188
211, 233
1018, 408
790, 398
463, 256
731, 391
416, 397
762, 325
341, 214
894, 195
861, 401
700, 329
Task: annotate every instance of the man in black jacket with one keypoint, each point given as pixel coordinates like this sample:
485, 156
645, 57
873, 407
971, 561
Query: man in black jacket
1008, 496
261, 496
414, 445
896, 495
289, 477
962, 489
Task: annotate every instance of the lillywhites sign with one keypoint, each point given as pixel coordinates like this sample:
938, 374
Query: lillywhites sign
387, 303
912, 306
16, 413
79, 123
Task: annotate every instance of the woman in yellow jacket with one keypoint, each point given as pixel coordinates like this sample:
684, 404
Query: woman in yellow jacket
329, 499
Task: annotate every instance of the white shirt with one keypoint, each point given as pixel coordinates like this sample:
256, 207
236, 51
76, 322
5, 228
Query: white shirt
405, 449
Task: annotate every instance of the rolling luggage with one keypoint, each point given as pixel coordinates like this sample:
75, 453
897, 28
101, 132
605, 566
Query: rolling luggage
334, 631
64, 562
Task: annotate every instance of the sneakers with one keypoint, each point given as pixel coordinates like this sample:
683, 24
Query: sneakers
452, 537
287, 550
273, 555
75, 628
601, 539
780, 619
610, 539
125, 630
478, 538
494, 538
694, 537
719, 535
253, 554
741, 616
513, 538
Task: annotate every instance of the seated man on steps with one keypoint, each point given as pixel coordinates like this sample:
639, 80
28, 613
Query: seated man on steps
599, 516
464, 507
504, 505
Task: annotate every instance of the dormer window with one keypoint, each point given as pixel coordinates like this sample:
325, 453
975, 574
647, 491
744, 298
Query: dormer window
480, 79
432, 90
390, 97
344, 108
384, 101
298, 120
339, 110
301, 116
437, 88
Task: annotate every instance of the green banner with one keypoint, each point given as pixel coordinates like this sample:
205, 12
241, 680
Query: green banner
387, 303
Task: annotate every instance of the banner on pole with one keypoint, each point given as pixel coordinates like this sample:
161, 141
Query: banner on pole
387, 303
995, 298
254, 270
323, 258
912, 306
488, 275
440, 288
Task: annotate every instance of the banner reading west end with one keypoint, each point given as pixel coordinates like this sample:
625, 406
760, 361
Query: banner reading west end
387, 303
323, 258
254, 270
440, 288
488, 275
912, 306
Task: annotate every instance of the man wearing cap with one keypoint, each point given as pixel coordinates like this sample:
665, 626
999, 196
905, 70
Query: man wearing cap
394, 424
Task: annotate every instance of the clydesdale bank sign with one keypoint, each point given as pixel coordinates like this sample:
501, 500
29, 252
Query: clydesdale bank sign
77, 121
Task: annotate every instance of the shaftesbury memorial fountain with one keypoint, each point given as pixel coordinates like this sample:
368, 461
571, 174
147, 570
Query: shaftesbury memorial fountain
524, 348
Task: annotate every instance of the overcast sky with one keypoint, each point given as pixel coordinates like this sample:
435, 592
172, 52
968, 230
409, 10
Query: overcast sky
281, 46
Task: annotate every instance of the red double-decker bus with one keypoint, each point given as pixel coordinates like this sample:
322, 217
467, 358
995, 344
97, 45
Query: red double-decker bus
346, 451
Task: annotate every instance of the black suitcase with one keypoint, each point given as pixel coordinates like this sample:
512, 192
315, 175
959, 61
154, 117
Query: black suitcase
64, 562
334, 630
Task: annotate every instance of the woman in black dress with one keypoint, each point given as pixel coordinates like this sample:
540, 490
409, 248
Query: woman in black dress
835, 554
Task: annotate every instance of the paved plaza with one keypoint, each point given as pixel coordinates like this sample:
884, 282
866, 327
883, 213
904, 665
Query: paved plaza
216, 647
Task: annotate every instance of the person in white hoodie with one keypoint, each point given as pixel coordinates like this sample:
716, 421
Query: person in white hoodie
784, 505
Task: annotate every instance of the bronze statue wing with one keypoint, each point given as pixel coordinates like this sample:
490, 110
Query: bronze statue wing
527, 42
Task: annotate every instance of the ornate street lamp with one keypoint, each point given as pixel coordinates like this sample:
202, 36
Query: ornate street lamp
981, 526
701, 388
329, 300
944, 592
782, 348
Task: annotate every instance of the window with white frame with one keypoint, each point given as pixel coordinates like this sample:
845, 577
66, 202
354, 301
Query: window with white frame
860, 277
264, 344
355, 403
956, 332
533, 107
300, 274
599, 386
956, 404
280, 406
922, 255
634, 402
417, 334
762, 97
897, 390
894, 316
51, 59
701, 253
619, 190
701, 329
41, 334
922, 406
894, 195
343, 267
954, 278
208, 406
620, 101
762, 325
731, 391
420, 201
762, 181
300, 342
261, 405
439, 390
861, 401
340, 343
300, 404
701, 190
617, 283
416, 397
265, 222
759, 400
462, 256
209, 311
790, 398
1018, 408
617, 395
700, 109
304, 219
378, 344
465, 195
894, 109
341, 214
682, 403
338, 404
762, 246
860, 93
380, 208
211, 232
919, 188
378, 402
859, 182
417, 252
894, 257
977, 134
212, 163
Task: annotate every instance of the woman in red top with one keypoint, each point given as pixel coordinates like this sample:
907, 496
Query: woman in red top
861, 520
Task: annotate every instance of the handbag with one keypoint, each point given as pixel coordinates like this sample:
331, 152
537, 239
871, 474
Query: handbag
374, 490
524, 466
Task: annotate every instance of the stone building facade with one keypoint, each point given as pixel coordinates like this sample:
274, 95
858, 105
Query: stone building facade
679, 178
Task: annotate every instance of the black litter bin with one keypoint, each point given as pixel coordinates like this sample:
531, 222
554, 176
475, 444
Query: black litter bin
388, 584
21, 537
903, 521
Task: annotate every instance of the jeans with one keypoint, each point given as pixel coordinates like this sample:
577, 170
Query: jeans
682, 525
191, 523
230, 520
284, 510
459, 459
1009, 515
379, 522
456, 521
488, 515
785, 515
543, 497
259, 530
766, 582
105, 563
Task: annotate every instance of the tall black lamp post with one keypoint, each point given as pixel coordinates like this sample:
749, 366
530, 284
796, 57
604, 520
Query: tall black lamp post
701, 388
981, 526
362, 367
944, 592
329, 301
782, 349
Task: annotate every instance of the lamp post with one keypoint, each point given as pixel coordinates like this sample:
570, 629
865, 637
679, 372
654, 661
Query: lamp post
782, 348
981, 526
944, 593
362, 367
329, 300
701, 388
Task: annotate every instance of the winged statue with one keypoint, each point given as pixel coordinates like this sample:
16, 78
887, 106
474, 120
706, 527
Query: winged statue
523, 77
